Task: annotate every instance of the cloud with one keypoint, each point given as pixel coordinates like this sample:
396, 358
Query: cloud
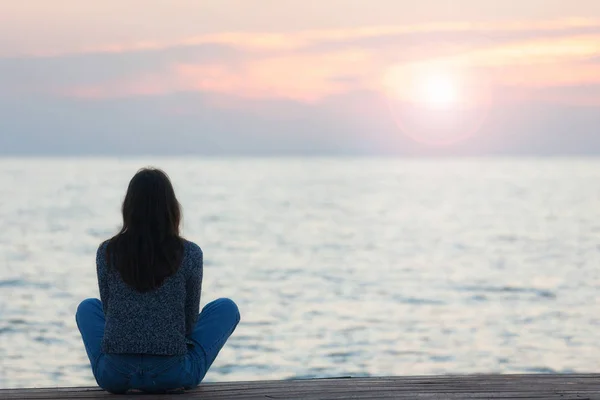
141, 126
289, 91
290, 76
594, 60
312, 77
569, 95
288, 41
55, 74
352, 123
310, 66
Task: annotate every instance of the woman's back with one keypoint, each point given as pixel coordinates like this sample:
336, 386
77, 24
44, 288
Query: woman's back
155, 321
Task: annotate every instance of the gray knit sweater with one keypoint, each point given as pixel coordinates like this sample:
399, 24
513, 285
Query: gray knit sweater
156, 322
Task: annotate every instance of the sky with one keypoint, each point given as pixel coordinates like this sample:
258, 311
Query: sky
281, 77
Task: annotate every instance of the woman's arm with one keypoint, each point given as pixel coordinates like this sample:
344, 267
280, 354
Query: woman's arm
101, 271
193, 288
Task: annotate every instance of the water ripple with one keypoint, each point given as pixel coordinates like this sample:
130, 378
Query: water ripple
342, 267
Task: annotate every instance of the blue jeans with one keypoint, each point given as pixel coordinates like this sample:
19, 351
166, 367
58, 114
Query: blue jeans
118, 373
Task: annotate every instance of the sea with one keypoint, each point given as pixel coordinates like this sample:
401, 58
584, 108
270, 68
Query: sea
340, 266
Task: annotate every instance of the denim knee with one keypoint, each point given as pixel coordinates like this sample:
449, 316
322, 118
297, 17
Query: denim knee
229, 307
86, 306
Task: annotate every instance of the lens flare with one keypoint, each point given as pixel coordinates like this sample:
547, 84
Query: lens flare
438, 91
437, 104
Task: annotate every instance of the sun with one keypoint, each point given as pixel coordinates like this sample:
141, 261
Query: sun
426, 87
437, 103
437, 91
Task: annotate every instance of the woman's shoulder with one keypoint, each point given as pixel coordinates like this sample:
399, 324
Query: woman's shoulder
191, 248
101, 255
103, 245
192, 258
101, 251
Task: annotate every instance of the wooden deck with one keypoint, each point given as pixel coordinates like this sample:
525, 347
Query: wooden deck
564, 387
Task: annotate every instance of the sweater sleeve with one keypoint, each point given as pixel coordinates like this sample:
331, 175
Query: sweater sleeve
193, 288
101, 271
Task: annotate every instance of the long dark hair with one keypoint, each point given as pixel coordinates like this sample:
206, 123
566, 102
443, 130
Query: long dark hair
148, 249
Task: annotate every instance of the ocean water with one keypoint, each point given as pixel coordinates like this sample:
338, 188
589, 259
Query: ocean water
341, 267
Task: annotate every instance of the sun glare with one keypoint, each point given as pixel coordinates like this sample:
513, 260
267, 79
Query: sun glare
437, 104
438, 91
426, 87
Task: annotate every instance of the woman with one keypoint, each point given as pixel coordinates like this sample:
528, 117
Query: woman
146, 333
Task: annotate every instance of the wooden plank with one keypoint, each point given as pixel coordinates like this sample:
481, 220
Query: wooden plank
565, 387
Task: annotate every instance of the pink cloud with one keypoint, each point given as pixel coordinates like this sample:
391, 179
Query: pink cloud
292, 77
144, 85
279, 71
555, 75
274, 41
